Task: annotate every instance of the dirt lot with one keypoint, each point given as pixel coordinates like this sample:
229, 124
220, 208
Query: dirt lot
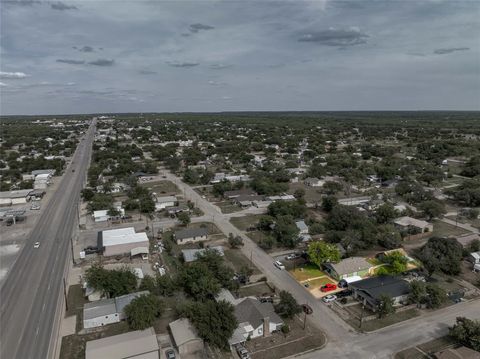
443, 229
280, 345
379, 323
468, 275
162, 187
242, 223
228, 207
255, 290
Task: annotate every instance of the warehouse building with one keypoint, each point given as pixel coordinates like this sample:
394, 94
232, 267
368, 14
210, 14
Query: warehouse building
122, 241
9, 198
139, 344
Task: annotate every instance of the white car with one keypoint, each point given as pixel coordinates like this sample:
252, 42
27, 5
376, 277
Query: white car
291, 256
279, 265
329, 298
35, 207
36, 245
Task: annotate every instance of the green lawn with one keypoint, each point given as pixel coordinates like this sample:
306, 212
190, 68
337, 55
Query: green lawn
228, 207
255, 290
319, 282
242, 223
239, 260
384, 322
306, 272
162, 187
443, 229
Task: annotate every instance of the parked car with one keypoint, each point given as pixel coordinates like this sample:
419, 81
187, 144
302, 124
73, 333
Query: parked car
328, 287
329, 298
170, 354
279, 265
344, 293
265, 299
35, 207
291, 256
307, 309
90, 250
36, 245
242, 352
145, 256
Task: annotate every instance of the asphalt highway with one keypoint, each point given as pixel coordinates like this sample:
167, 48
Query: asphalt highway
33, 289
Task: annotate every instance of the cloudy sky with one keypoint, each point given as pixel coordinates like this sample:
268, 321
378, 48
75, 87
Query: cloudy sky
129, 56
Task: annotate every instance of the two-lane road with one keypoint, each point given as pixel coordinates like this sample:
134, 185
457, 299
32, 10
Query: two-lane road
32, 291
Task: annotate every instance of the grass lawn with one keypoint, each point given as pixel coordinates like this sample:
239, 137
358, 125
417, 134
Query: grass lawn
306, 272
411, 353
384, 322
255, 290
162, 187
443, 229
239, 260
319, 282
228, 207
430, 347
242, 223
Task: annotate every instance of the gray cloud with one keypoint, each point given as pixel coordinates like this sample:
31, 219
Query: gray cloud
147, 72
219, 66
450, 50
200, 27
71, 62
102, 62
13, 75
62, 6
335, 37
86, 49
183, 64
20, 2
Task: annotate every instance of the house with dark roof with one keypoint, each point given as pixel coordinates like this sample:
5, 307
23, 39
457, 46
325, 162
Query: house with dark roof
189, 235
369, 291
239, 192
255, 319
348, 267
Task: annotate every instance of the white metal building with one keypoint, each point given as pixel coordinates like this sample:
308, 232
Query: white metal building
122, 241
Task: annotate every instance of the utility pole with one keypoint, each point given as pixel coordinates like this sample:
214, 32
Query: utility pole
73, 253
304, 318
65, 293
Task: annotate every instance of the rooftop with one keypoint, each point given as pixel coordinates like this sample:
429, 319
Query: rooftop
15, 194
127, 345
183, 331
121, 236
376, 286
191, 232
350, 265
409, 221
253, 312
191, 255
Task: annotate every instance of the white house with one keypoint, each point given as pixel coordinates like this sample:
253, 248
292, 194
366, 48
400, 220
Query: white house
474, 257
164, 202
107, 311
101, 215
255, 319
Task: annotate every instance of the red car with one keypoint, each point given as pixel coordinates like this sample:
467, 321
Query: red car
328, 287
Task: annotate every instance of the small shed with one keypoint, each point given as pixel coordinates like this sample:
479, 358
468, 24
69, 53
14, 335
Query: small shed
185, 337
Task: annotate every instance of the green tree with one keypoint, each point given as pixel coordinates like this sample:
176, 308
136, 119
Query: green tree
466, 332
331, 188
320, 252
432, 209
142, 311
199, 282
397, 262
385, 306
328, 202
234, 241
184, 218
114, 282
214, 321
385, 213
288, 306
388, 236
441, 254
286, 232
436, 296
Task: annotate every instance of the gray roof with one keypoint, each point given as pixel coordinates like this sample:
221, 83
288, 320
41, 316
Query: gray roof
15, 194
301, 225
376, 286
253, 312
126, 345
110, 306
191, 255
239, 192
99, 308
124, 300
350, 265
191, 232
183, 331
42, 172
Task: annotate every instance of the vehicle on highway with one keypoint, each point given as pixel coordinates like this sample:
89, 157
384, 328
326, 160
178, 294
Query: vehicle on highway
307, 309
329, 298
279, 265
36, 245
170, 354
328, 287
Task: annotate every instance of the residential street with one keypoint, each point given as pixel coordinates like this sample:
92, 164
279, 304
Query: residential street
343, 341
33, 289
